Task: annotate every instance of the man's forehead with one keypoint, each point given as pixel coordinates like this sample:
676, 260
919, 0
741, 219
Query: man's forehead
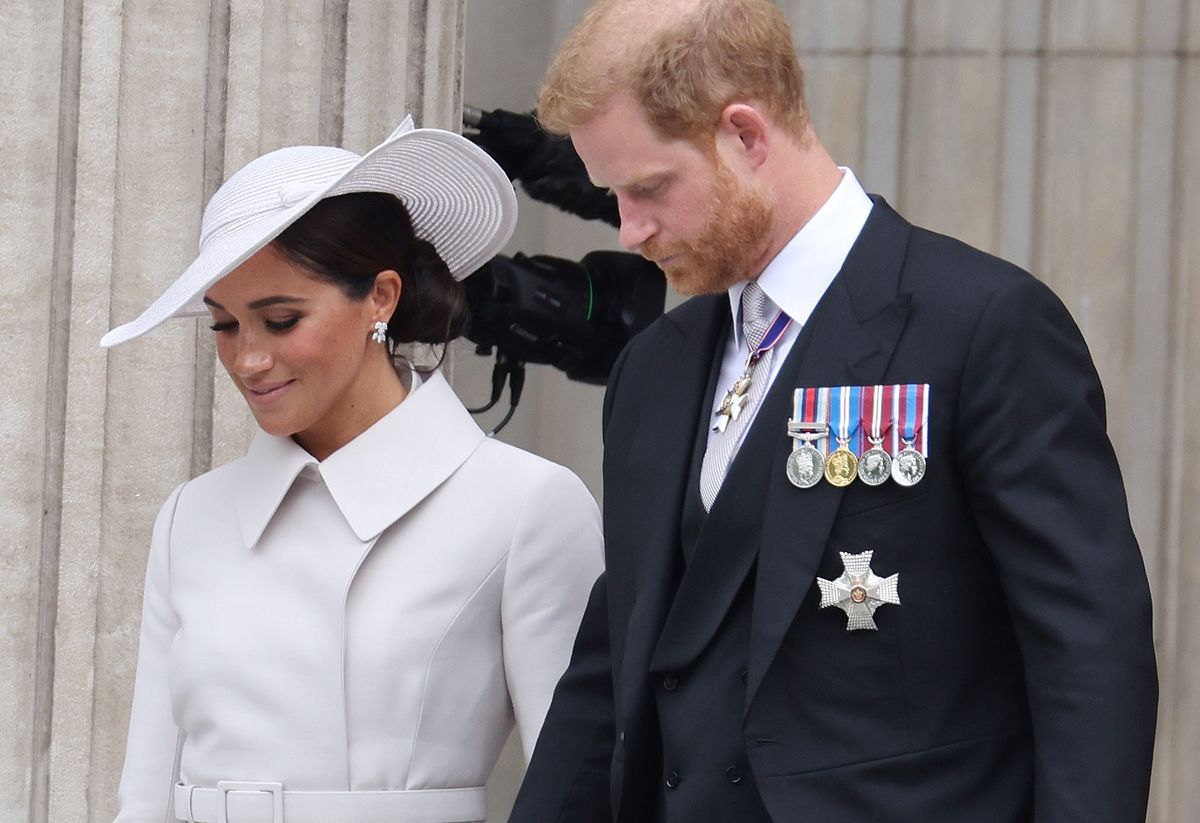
620, 148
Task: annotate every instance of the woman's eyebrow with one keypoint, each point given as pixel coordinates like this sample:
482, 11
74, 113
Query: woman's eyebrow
261, 303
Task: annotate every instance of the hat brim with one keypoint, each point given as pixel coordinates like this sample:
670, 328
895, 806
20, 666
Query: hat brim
459, 200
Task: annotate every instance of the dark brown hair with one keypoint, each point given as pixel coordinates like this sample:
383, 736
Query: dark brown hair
347, 240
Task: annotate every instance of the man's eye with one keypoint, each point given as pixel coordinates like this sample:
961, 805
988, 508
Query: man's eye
650, 189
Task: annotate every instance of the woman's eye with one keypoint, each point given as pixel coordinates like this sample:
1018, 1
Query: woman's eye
282, 325
228, 325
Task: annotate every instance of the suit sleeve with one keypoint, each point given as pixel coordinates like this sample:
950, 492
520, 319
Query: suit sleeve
144, 795
568, 779
555, 557
1048, 499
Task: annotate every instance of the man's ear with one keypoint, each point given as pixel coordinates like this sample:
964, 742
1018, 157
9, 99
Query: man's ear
746, 131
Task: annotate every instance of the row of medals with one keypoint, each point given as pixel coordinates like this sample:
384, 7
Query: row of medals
807, 464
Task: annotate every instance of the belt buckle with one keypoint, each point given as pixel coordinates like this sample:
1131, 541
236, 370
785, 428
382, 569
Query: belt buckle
224, 787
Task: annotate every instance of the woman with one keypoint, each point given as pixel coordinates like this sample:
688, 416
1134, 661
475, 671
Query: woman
343, 624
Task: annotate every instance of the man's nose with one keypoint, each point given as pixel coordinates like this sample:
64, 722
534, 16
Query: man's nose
636, 227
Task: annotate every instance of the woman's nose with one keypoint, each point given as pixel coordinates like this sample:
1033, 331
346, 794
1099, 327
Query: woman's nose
251, 359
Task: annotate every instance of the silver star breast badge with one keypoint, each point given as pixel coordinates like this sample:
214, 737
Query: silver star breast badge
859, 592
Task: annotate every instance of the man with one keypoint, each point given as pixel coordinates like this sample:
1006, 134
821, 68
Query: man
967, 639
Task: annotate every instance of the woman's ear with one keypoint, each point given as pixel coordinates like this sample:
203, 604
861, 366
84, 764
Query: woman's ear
385, 295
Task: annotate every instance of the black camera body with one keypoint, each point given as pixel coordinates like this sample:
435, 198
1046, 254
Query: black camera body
574, 316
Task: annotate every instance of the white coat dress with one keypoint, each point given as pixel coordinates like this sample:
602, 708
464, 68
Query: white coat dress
375, 621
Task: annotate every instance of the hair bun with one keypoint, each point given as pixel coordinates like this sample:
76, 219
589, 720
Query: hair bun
433, 305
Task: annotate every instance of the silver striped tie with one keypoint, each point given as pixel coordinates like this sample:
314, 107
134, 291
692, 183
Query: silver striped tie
723, 446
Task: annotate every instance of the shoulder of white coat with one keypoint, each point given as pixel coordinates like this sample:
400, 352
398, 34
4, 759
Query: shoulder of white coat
530, 486
520, 466
215, 486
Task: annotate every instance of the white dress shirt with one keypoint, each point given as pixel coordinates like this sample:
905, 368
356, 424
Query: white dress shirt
795, 280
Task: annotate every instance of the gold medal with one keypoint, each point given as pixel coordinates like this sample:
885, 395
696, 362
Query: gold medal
841, 467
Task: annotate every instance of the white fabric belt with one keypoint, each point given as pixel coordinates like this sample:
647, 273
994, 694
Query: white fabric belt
237, 802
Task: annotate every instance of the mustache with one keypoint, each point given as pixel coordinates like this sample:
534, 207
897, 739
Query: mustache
654, 250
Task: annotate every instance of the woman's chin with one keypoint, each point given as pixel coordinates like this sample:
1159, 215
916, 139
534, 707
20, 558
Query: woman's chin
274, 424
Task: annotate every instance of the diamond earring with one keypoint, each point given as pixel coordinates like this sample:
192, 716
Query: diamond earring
379, 335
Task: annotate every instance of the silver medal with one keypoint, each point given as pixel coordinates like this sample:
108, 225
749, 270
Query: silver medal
909, 466
806, 463
805, 466
875, 466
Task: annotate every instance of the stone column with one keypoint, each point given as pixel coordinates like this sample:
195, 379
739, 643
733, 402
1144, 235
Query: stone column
123, 117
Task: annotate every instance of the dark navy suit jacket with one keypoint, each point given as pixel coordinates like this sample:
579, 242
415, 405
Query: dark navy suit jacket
1016, 680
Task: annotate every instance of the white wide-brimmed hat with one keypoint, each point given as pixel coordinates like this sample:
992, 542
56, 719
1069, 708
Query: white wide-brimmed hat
458, 197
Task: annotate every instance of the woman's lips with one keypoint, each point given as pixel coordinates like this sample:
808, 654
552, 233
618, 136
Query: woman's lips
267, 393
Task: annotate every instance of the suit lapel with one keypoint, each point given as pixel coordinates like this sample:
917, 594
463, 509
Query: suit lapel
728, 541
671, 406
850, 340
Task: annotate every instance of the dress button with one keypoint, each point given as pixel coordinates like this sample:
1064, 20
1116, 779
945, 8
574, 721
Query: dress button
734, 774
744, 675
670, 682
672, 779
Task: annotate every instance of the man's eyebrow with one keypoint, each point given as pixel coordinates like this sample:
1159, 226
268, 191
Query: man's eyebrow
261, 303
638, 181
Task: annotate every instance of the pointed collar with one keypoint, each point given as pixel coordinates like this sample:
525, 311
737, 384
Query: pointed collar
798, 276
375, 478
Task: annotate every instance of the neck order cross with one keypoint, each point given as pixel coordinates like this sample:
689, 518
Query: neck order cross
761, 336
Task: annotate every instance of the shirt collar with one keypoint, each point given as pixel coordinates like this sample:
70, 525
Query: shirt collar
374, 479
798, 276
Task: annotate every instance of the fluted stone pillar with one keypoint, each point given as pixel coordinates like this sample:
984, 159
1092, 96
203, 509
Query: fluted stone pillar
121, 119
